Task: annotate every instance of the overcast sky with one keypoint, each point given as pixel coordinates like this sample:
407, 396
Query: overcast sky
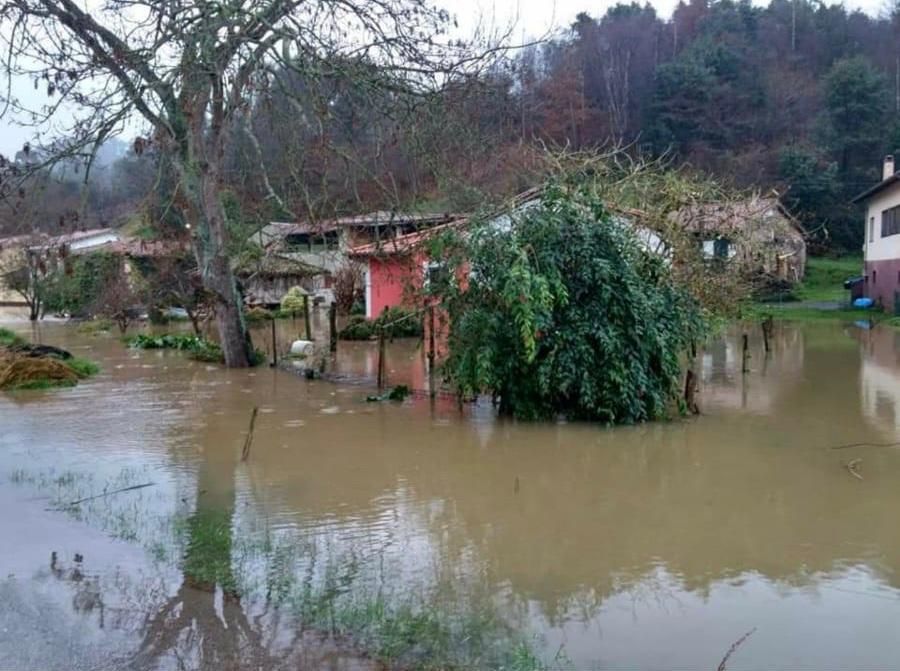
530, 19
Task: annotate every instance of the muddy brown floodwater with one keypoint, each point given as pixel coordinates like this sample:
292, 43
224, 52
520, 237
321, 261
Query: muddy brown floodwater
649, 547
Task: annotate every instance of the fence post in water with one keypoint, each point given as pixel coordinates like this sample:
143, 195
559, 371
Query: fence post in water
274, 345
306, 316
431, 353
380, 358
332, 327
767, 331
745, 357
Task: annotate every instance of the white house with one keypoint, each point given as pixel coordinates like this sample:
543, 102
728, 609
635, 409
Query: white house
882, 237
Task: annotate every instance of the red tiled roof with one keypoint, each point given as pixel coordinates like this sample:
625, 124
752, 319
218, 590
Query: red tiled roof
402, 244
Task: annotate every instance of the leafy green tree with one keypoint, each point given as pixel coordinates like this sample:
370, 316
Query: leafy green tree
813, 190
855, 104
566, 313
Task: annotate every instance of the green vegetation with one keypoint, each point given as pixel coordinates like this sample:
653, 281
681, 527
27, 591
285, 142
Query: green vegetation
788, 312
824, 280
257, 315
25, 367
83, 367
347, 598
197, 348
566, 314
294, 300
398, 322
84, 279
10, 339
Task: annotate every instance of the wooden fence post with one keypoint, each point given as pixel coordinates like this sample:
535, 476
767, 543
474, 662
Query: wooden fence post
745, 357
306, 316
332, 327
431, 353
767, 325
274, 345
381, 380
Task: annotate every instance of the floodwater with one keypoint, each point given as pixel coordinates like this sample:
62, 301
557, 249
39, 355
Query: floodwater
649, 547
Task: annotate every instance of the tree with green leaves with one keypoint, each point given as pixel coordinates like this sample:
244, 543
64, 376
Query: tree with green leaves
567, 311
855, 103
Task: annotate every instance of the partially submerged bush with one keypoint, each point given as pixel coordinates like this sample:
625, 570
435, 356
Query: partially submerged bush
567, 313
256, 315
293, 300
358, 328
197, 348
399, 322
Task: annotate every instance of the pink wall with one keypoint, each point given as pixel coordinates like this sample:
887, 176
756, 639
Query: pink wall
391, 280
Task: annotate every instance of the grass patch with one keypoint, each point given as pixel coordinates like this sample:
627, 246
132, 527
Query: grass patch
824, 280
83, 367
800, 313
10, 339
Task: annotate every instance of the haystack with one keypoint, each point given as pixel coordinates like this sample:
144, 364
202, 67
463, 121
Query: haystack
19, 371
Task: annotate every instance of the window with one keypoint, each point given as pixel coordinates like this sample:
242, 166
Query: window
719, 248
874, 276
890, 222
871, 229
436, 275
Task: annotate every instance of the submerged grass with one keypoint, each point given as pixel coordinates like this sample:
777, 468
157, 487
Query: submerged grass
10, 339
327, 591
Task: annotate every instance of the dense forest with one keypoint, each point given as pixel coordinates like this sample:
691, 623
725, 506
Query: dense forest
796, 96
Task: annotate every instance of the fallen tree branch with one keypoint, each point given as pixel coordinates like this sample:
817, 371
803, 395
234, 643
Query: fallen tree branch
249, 439
734, 646
104, 494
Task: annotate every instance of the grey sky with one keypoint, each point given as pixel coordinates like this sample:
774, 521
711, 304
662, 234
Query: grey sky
529, 18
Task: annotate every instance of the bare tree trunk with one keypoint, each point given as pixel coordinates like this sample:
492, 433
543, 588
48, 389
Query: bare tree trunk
218, 278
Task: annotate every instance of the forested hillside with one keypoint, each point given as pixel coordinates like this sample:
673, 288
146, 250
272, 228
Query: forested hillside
798, 96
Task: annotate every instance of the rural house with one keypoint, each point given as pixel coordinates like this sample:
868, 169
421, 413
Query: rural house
755, 232
396, 268
881, 247
318, 250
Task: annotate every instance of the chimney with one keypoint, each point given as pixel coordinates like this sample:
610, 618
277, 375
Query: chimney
888, 166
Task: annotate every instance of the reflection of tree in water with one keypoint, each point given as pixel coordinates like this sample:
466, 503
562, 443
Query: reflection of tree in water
204, 624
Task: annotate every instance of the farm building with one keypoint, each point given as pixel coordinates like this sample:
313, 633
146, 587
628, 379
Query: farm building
756, 233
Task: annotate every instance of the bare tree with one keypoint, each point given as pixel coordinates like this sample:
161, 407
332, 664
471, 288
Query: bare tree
23, 270
191, 71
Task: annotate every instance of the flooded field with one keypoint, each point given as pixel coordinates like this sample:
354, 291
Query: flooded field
414, 532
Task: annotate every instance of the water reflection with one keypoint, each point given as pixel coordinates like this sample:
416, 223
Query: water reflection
648, 547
